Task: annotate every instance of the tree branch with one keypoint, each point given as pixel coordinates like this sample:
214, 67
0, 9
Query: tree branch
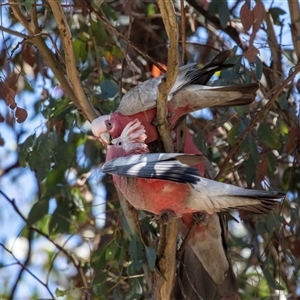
169, 19
167, 261
275, 51
71, 68
295, 25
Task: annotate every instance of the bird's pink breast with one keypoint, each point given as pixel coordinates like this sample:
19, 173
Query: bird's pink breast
154, 195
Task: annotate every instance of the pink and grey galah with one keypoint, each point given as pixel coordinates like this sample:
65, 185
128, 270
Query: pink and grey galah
159, 182
188, 93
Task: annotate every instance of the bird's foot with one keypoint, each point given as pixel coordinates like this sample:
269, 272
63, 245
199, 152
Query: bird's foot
166, 216
201, 218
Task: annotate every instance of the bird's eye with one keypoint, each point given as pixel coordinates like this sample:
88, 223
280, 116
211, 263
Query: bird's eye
120, 144
108, 124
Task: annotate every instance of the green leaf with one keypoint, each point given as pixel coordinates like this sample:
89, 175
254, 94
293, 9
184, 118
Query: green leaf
111, 251
116, 51
137, 254
275, 13
273, 222
273, 283
28, 5
38, 154
151, 257
221, 8
54, 177
283, 128
60, 221
261, 228
80, 46
135, 291
268, 136
253, 149
108, 11
272, 163
213, 7
60, 109
98, 31
26, 150
98, 260
249, 169
224, 13
38, 210
233, 134
151, 9
109, 89
60, 293
100, 284
283, 101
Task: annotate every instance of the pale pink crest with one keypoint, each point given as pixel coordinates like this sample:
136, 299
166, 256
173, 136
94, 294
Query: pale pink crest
132, 138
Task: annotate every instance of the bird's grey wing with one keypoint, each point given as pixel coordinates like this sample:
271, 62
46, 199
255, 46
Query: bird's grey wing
216, 196
153, 166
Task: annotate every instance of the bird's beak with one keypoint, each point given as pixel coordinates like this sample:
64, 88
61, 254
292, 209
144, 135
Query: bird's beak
105, 138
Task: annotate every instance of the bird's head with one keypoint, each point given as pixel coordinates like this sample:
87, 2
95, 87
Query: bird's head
101, 128
132, 138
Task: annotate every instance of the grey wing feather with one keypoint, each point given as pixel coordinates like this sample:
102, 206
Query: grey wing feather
143, 96
152, 165
226, 196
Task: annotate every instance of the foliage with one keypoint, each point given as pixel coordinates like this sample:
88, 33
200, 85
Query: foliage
64, 234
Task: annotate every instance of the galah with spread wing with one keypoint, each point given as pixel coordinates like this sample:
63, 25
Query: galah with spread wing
168, 182
189, 93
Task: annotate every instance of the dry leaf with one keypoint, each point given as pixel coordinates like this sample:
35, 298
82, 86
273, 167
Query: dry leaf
8, 95
292, 142
251, 54
262, 168
29, 54
259, 13
20, 114
247, 17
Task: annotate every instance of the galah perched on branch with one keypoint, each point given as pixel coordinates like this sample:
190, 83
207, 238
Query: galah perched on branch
159, 182
189, 93
162, 182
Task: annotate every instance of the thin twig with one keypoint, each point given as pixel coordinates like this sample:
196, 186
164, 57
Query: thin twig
25, 268
13, 32
26, 262
183, 33
60, 248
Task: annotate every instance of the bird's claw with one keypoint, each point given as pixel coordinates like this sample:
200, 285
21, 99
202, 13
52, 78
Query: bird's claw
166, 216
201, 218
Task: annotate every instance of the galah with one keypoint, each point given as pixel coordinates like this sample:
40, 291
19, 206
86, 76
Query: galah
189, 93
159, 182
